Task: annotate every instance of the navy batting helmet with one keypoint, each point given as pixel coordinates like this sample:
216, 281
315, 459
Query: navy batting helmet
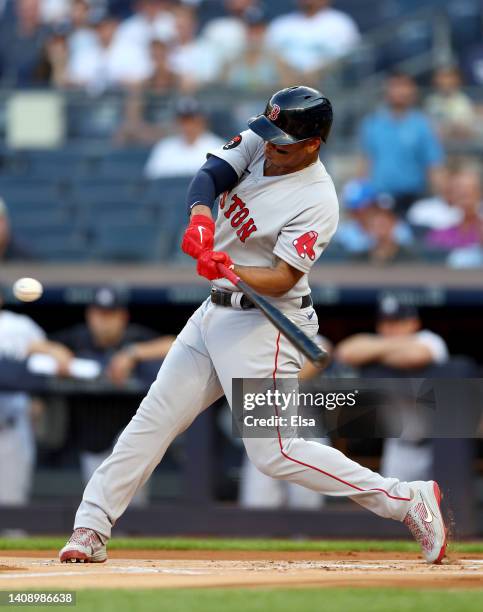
294, 114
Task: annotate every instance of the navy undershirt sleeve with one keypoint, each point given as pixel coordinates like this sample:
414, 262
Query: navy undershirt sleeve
213, 178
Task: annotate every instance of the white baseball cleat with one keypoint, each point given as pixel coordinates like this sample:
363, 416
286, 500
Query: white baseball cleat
84, 546
425, 521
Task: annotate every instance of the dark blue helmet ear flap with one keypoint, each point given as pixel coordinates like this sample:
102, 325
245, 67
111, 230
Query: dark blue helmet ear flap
294, 114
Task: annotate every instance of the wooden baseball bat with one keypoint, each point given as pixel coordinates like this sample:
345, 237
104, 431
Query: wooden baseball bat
293, 334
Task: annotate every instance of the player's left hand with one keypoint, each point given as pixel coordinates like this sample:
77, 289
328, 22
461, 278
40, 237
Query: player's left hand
199, 236
207, 264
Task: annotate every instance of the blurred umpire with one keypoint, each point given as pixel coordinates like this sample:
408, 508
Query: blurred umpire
124, 351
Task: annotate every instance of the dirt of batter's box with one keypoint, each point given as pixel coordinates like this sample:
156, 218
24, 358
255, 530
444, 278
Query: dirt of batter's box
191, 569
245, 555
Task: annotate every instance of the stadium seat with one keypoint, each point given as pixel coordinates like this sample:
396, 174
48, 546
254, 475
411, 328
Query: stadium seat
88, 192
412, 39
54, 241
112, 212
46, 212
465, 18
129, 243
127, 164
58, 165
93, 121
14, 190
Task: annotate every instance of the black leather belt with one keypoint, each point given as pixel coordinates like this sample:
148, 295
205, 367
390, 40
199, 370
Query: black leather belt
223, 298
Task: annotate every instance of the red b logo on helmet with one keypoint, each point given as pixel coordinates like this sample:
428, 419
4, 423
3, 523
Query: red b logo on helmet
274, 113
305, 245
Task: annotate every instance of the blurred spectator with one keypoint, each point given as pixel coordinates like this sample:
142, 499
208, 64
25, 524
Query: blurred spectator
17, 446
109, 62
162, 80
314, 36
451, 109
391, 238
257, 490
54, 11
152, 20
10, 248
194, 60
120, 347
228, 33
134, 128
53, 63
466, 196
21, 44
354, 233
256, 68
184, 153
80, 25
436, 212
400, 344
401, 153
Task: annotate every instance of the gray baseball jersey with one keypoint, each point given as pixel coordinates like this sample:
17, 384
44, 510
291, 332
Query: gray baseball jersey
290, 217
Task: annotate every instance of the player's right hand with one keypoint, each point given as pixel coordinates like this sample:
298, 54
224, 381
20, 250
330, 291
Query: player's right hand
208, 264
199, 236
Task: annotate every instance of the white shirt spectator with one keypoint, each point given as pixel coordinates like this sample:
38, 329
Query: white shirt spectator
197, 60
54, 11
308, 43
228, 35
80, 40
138, 30
434, 213
98, 68
173, 156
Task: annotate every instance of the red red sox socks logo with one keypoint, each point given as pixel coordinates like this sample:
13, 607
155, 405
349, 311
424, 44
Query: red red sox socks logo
274, 113
304, 245
238, 219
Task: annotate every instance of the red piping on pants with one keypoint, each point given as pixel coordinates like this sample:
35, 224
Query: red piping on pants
312, 467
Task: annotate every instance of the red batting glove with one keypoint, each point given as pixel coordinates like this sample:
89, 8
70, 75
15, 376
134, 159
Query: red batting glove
207, 264
199, 236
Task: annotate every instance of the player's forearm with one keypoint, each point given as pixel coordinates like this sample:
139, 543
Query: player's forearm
201, 209
274, 282
360, 349
152, 349
405, 353
47, 347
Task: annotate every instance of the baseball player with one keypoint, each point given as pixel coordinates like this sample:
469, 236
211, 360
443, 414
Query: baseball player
277, 212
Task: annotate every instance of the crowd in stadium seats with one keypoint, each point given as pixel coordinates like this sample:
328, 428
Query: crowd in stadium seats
85, 44
410, 198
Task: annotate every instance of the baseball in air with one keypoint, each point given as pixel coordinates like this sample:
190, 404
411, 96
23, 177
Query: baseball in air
27, 289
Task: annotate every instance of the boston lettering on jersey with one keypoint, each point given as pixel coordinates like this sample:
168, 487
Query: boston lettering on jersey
238, 214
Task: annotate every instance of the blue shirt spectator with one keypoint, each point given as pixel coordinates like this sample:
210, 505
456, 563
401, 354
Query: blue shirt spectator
354, 233
402, 152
